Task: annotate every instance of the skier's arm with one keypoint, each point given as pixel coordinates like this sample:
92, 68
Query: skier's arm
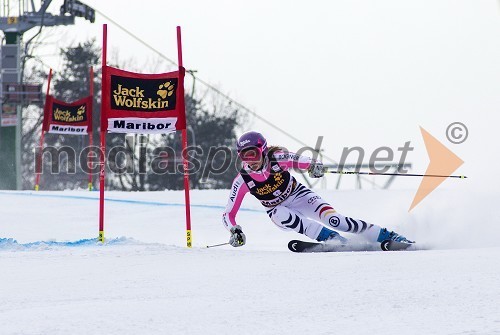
289, 160
238, 191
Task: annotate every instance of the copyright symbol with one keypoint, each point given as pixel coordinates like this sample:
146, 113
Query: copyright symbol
457, 133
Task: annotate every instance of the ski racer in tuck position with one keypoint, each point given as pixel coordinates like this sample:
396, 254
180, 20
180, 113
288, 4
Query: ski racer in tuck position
291, 205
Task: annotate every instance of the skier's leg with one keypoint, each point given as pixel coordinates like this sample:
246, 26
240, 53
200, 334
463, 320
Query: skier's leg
329, 217
288, 219
370, 232
312, 206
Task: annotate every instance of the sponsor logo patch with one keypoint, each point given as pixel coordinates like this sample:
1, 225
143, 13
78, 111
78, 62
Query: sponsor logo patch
142, 126
59, 129
334, 221
312, 200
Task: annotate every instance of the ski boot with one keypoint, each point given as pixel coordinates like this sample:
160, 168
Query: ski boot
329, 236
390, 240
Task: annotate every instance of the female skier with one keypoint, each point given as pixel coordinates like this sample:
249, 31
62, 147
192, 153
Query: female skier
290, 205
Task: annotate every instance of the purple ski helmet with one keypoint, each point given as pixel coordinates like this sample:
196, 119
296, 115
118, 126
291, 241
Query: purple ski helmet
251, 146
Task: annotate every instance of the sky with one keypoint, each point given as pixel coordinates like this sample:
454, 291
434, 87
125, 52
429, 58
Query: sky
359, 73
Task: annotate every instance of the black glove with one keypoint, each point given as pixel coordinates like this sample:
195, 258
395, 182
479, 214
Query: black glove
316, 170
238, 238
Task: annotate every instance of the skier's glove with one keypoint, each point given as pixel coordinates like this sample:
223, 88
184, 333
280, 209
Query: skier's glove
238, 238
316, 170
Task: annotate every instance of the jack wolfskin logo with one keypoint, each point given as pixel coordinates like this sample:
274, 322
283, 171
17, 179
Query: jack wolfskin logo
143, 95
68, 114
81, 110
165, 90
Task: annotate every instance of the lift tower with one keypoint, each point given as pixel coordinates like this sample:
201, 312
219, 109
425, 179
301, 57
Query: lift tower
17, 17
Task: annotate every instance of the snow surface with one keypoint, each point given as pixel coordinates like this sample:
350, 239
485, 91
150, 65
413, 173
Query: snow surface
56, 279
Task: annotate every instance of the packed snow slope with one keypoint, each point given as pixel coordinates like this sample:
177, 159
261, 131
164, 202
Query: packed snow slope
56, 279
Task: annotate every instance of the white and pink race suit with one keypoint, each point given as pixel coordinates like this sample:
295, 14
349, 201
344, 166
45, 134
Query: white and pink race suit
290, 205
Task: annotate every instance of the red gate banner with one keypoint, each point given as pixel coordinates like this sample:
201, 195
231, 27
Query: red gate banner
67, 118
142, 103
60, 117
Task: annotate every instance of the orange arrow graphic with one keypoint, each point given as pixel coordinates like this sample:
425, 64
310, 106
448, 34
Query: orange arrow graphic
441, 162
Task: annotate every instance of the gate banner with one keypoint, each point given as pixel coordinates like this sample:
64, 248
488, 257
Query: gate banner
67, 118
141, 103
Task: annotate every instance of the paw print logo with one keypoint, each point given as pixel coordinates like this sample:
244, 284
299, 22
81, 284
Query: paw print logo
81, 110
277, 177
165, 90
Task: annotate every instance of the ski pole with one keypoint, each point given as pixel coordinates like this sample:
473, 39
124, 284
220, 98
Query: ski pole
216, 245
394, 174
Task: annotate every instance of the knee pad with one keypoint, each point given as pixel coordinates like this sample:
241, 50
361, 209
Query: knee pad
286, 219
279, 214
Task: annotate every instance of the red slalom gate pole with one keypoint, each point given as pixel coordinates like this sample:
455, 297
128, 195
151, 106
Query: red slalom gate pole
101, 185
90, 131
39, 159
189, 238
102, 159
42, 137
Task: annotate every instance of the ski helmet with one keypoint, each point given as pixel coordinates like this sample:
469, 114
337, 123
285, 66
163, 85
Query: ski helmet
251, 142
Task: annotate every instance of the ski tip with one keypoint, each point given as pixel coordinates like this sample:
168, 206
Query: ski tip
292, 245
390, 245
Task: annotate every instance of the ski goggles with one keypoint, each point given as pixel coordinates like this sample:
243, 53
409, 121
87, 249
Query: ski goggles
251, 154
